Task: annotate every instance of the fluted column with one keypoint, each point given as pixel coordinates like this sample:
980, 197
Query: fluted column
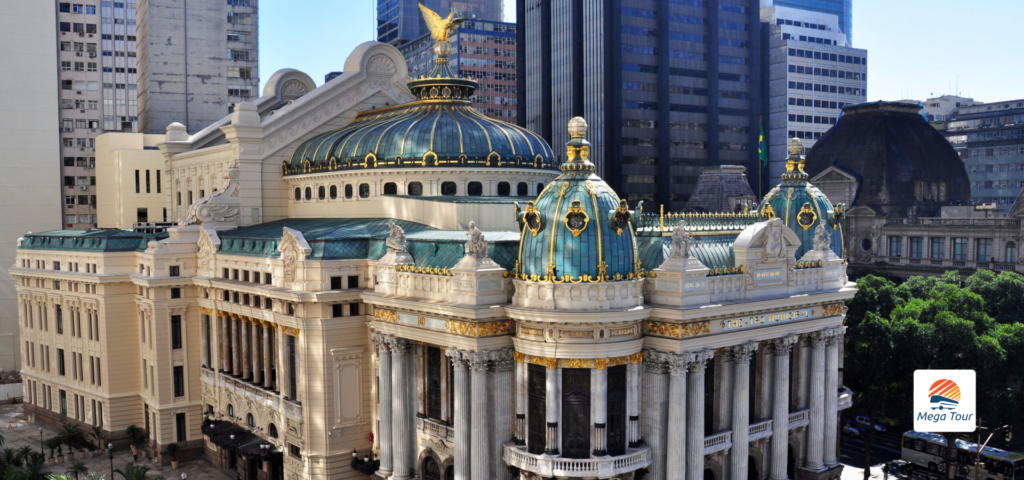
676, 457
246, 349
257, 354
225, 342
283, 372
461, 415
384, 393
816, 426
501, 362
207, 326
599, 410
401, 430
268, 381
695, 422
236, 350
656, 410
831, 392
780, 406
633, 401
553, 405
521, 379
480, 449
740, 409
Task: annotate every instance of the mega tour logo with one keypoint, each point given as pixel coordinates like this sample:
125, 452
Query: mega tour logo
944, 401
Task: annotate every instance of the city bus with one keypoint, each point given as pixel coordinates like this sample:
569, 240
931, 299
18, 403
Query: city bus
928, 450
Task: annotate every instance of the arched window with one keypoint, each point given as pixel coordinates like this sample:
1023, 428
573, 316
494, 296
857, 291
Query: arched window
364, 190
390, 188
298, 194
504, 189
309, 193
415, 189
348, 191
1011, 252
272, 430
231, 410
474, 189
321, 192
449, 189
250, 420
522, 189
540, 188
334, 192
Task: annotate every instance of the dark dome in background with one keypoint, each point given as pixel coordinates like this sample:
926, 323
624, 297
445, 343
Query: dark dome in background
902, 163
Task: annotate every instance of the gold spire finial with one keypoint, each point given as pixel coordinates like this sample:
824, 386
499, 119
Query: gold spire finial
440, 28
577, 127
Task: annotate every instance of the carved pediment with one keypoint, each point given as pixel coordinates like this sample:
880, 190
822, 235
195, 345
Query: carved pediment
833, 174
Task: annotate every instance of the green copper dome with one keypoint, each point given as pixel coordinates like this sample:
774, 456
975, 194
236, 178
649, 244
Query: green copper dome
440, 129
801, 206
578, 229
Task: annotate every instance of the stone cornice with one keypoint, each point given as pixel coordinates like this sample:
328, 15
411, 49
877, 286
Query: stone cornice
748, 307
434, 308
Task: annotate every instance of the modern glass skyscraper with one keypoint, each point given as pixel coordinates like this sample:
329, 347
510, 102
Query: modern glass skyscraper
399, 21
667, 87
840, 8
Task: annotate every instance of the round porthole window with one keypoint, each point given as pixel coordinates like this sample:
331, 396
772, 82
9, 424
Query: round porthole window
865, 245
364, 190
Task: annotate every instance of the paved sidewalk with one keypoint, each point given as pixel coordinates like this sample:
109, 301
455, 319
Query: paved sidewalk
23, 433
856, 473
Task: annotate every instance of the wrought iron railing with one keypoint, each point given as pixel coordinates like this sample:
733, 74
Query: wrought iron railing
696, 223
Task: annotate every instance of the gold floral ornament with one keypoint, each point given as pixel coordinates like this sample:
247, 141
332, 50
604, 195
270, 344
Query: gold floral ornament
532, 218
806, 217
768, 211
576, 219
620, 219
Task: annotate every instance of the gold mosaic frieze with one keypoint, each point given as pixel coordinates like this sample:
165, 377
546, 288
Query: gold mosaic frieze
673, 330
598, 363
384, 315
833, 309
478, 329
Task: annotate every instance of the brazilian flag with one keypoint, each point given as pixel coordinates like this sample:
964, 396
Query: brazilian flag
762, 151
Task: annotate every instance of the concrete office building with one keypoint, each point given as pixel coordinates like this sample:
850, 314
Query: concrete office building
812, 75
842, 9
667, 87
129, 170
110, 71
30, 166
399, 22
990, 140
483, 50
940, 109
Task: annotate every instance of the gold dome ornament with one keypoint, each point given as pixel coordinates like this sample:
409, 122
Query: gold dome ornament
440, 28
577, 127
796, 147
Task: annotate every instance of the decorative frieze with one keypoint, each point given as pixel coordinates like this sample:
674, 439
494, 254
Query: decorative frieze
598, 363
674, 330
384, 315
478, 329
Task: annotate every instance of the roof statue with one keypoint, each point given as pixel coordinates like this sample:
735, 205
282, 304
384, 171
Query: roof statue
682, 240
440, 28
477, 245
218, 209
396, 240
822, 239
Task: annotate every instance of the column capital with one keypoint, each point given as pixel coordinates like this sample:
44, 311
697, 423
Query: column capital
655, 361
782, 345
678, 364
478, 361
399, 346
836, 335
820, 337
502, 360
699, 361
380, 341
457, 357
741, 353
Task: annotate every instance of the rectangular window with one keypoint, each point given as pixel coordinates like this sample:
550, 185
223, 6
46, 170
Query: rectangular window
235, 274
293, 389
916, 247
983, 249
60, 361
294, 451
353, 281
937, 250
142, 215
338, 310
895, 246
267, 278
175, 293
137, 182
59, 315
147, 181
960, 248
174, 270
245, 275
179, 426
226, 275
175, 331
179, 381
63, 402
255, 277
335, 283
158, 181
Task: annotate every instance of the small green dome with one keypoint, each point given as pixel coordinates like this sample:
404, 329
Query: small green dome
801, 206
440, 129
578, 229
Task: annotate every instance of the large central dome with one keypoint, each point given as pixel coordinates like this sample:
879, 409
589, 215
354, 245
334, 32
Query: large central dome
440, 129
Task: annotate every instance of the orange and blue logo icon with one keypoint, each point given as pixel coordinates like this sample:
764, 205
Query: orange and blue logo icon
944, 394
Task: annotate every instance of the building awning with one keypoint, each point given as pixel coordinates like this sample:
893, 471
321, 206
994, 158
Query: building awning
244, 443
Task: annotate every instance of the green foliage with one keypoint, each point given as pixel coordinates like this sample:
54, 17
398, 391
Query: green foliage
172, 449
132, 471
138, 436
102, 438
1003, 294
10, 457
77, 468
54, 444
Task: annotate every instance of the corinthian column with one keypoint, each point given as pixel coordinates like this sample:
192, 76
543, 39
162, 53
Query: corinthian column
816, 426
236, 350
461, 415
502, 432
267, 357
521, 379
599, 410
480, 464
225, 342
553, 406
257, 377
384, 390
695, 422
633, 400
780, 406
656, 409
740, 409
243, 333
831, 392
676, 457
401, 428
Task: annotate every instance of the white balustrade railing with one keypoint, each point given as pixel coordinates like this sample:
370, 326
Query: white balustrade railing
718, 442
799, 419
435, 429
604, 467
759, 430
845, 399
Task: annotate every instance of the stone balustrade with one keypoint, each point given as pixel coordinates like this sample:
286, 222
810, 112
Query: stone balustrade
799, 419
759, 430
718, 442
603, 467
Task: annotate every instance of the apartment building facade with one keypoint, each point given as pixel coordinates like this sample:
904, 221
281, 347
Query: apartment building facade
990, 140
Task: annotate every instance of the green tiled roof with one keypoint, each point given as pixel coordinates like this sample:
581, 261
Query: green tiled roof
802, 207
91, 240
714, 251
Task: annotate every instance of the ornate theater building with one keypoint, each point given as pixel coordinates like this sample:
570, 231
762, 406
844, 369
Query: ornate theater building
374, 280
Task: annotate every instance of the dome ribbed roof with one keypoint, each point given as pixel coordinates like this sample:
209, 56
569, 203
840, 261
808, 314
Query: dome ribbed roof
578, 229
801, 206
440, 129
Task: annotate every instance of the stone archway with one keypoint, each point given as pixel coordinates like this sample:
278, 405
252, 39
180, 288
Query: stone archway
753, 472
431, 470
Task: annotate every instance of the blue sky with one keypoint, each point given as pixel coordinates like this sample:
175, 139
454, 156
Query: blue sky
916, 48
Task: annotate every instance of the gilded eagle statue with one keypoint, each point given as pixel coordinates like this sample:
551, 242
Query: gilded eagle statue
440, 28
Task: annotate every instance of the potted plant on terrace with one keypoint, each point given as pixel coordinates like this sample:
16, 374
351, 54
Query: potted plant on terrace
54, 444
172, 449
